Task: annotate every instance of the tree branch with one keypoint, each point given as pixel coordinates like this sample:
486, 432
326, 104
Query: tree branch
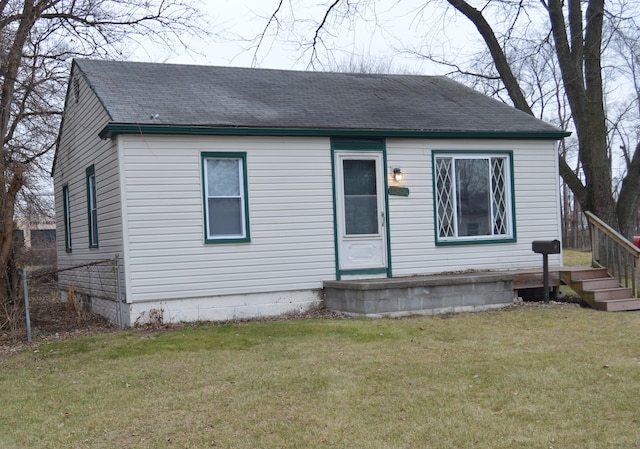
627, 206
497, 53
319, 28
573, 181
273, 18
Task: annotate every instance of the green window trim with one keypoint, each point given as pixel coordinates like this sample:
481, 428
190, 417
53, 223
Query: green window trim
67, 218
92, 206
226, 199
500, 193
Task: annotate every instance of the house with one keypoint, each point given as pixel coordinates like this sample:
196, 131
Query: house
38, 232
236, 192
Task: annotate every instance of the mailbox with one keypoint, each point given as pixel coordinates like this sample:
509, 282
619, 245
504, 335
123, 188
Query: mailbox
546, 246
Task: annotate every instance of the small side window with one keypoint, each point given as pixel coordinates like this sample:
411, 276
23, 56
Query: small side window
67, 218
225, 197
92, 207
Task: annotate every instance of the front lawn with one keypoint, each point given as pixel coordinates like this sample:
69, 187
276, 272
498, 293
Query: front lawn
529, 377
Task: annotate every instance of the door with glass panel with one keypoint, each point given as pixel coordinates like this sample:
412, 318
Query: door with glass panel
361, 212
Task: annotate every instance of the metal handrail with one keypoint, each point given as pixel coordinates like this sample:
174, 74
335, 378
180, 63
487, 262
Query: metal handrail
612, 250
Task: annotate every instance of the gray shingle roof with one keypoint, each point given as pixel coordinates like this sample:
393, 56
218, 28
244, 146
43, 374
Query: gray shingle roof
189, 95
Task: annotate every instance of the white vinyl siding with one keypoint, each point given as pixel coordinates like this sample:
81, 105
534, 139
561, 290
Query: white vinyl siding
412, 223
291, 208
80, 147
290, 203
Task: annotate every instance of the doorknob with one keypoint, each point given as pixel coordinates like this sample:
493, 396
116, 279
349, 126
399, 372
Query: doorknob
382, 219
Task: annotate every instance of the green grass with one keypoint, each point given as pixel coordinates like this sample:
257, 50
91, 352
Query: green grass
533, 377
576, 258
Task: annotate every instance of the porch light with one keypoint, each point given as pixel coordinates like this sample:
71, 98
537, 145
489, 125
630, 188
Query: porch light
397, 174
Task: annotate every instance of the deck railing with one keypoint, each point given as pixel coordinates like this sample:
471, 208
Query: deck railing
612, 250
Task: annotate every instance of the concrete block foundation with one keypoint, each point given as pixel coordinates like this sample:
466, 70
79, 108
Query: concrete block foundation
415, 295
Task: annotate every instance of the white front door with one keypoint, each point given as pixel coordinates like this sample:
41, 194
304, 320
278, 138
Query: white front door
361, 215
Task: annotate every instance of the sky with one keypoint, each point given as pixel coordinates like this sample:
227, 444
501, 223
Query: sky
380, 34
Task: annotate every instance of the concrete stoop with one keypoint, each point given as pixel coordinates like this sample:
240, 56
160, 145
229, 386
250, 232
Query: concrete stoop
415, 295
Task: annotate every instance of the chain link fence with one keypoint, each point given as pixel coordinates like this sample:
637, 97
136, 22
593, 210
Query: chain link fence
93, 286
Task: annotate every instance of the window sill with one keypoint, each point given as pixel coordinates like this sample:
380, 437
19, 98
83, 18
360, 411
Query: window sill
459, 242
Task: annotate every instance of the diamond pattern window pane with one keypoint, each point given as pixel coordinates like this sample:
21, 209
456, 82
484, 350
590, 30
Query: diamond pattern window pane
444, 186
498, 189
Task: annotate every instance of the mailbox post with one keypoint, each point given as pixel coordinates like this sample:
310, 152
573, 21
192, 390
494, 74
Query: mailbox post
545, 247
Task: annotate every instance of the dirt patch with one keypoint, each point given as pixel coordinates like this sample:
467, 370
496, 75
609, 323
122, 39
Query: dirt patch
50, 320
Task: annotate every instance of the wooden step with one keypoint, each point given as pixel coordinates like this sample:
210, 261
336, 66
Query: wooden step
597, 284
599, 290
617, 305
606, 294
587, 273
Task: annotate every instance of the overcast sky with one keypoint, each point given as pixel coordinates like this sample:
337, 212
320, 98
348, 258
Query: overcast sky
379, 35
382, 33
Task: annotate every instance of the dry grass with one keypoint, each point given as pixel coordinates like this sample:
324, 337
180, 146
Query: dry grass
576, 258
530, 377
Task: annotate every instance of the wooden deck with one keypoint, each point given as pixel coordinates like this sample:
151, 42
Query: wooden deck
533, 278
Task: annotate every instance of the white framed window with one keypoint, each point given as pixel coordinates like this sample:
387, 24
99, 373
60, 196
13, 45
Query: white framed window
226, 212
67, 218
92, 207
473, 197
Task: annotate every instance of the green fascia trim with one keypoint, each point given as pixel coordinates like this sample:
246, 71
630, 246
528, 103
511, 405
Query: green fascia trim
370, 144
461, 241
113, 129
247, 227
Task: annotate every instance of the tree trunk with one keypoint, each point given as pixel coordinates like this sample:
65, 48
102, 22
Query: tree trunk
11, 307
627, 206
11, 169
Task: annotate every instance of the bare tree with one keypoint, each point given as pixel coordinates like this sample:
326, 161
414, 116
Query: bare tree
356, 64
579, 37
37, 40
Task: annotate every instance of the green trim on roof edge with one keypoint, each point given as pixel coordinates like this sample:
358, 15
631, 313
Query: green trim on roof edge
113, 129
